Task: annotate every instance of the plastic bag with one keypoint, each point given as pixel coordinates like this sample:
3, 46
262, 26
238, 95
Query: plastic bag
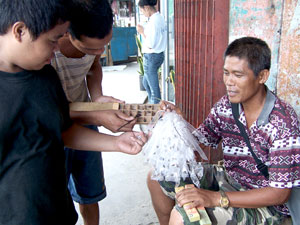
170, 149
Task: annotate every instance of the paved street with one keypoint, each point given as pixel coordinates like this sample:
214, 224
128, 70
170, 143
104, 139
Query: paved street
128, 199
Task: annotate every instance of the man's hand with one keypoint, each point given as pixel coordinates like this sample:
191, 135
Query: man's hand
254, 198
107, 99
131, 142
114, 119
110, 119
140, 29
167, 106
82, 138
198, 197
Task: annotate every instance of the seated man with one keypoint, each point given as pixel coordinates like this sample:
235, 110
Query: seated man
239, 193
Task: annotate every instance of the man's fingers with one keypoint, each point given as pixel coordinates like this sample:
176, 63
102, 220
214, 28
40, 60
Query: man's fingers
140, 137
124, 116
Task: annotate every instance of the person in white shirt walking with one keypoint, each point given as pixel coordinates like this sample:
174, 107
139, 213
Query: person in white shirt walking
154, 44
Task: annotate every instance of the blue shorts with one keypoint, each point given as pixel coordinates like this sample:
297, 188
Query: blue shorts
85, 175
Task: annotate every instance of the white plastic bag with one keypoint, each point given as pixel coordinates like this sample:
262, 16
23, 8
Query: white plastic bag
170, 149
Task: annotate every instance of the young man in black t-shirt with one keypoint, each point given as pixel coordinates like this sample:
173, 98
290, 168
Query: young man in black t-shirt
34, 117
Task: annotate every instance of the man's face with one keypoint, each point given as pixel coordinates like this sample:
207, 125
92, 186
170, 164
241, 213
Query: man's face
241, 83
35, 54
91, 46
145, 11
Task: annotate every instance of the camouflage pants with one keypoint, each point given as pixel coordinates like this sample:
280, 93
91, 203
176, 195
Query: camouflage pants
215, 178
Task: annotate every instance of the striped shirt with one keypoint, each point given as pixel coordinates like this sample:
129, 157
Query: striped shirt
72, 73
274, 137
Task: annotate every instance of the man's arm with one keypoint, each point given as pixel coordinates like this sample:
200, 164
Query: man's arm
94, 79
110, 119
244, 199
255, 198
94, 83
82, 138
140, 30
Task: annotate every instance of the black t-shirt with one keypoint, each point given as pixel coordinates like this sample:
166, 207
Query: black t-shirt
33, 113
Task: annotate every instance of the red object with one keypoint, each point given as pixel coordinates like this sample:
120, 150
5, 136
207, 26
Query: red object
201, 36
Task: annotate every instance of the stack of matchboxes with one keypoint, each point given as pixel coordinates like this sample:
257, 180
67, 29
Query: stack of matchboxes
194, 214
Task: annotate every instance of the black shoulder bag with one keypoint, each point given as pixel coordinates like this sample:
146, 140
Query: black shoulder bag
260, 165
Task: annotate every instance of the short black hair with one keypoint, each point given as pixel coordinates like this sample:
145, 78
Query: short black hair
143, 3
254, 50
39, 16
91, 18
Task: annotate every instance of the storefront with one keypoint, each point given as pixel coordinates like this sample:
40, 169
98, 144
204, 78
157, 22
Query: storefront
123, 45
167, 75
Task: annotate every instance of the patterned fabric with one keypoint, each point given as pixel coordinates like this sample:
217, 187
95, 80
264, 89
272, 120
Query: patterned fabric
72, 73
274, 137
215, 178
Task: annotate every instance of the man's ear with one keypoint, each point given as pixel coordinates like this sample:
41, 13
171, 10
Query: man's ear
263, 76
68, 35
19, 30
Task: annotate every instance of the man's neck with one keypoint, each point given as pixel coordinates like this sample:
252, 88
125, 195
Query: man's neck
67, 48
253, 108
152, 12
8, 67
6, 63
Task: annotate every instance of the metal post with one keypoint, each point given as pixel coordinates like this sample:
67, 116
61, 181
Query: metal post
164, 6
135, 12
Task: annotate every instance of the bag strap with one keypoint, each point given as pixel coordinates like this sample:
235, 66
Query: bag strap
260, 165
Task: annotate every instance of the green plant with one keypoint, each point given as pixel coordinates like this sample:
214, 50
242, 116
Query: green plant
171, 78
140, 55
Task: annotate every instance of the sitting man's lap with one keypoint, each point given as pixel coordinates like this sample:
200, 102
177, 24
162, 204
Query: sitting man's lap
215, 178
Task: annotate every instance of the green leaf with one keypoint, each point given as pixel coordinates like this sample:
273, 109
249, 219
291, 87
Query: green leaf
140, 56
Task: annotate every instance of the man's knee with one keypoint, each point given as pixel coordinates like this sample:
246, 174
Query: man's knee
159, 199
153, 185
155, 188
175, 218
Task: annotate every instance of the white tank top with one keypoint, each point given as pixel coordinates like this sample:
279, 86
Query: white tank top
72, 73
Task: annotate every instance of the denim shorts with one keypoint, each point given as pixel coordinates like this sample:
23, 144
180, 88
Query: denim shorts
85, 175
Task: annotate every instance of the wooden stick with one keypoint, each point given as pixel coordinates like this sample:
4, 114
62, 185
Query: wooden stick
92, 106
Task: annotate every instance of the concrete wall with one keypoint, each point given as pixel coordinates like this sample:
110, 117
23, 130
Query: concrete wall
278, 23
288, 79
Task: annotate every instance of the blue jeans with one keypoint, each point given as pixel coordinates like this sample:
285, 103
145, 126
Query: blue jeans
85, 175
152, 62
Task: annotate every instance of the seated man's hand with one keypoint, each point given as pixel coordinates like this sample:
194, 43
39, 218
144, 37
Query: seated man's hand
197, 197
131, 142
167, 106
